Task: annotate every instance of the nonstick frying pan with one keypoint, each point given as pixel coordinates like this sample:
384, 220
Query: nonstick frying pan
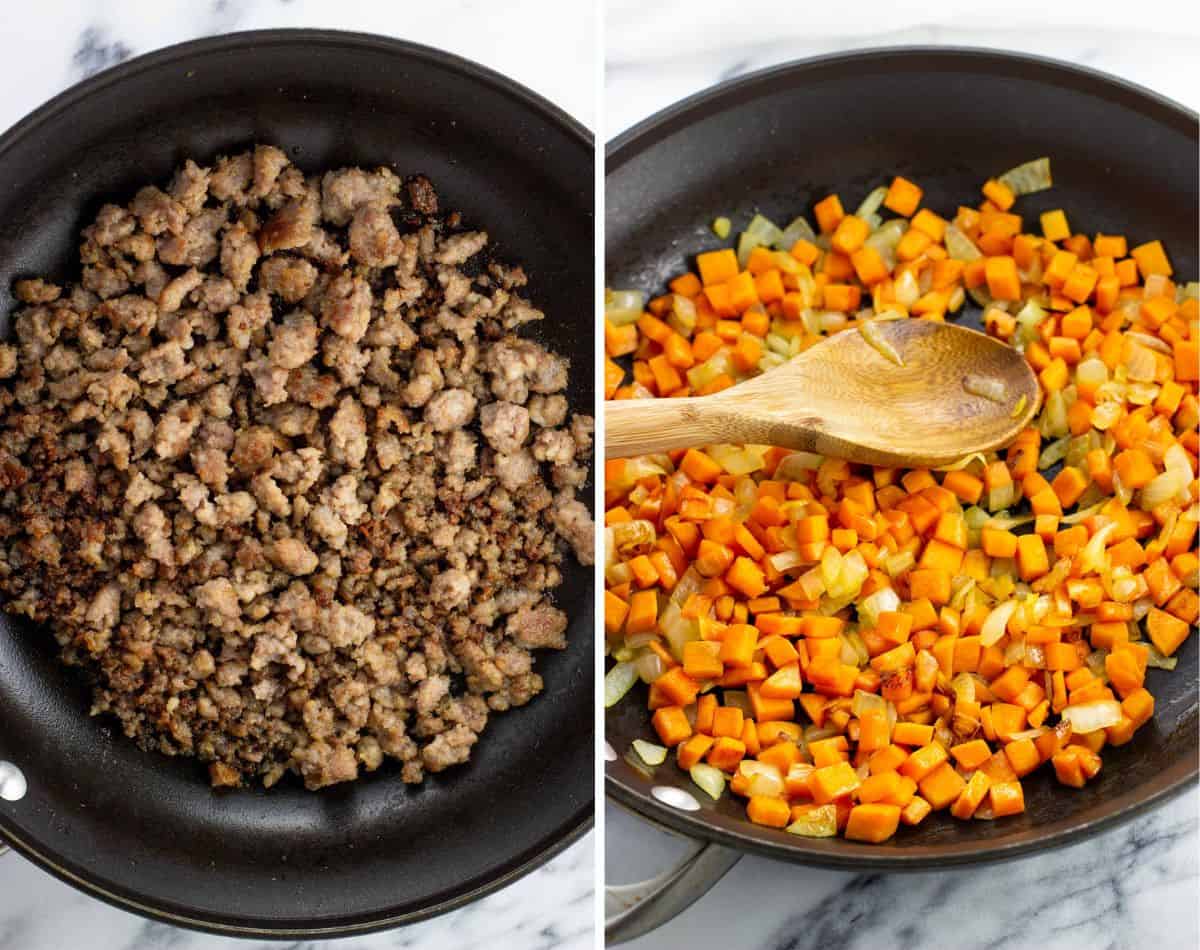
1124, 162
145, 831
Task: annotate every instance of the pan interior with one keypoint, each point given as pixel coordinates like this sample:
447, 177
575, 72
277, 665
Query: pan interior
776, 143
145, 828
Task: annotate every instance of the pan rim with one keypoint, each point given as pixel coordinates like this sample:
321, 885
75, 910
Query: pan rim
627, 146
666, 119
550, 844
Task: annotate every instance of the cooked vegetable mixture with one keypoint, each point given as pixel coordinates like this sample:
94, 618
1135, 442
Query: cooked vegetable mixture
851, 649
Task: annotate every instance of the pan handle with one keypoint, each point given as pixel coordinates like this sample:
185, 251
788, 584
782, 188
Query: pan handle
631, 910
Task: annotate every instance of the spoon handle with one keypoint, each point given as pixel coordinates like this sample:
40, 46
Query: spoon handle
645, 426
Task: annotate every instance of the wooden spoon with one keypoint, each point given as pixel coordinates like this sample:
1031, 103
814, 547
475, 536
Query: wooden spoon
842, 397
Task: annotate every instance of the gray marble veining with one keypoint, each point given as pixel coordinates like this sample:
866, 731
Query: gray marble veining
54, 43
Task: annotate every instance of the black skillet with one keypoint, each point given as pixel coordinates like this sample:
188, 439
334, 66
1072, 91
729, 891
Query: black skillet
144, 831
1124, 161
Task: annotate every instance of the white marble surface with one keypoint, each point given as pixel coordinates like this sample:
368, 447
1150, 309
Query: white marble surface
1136, 886
547, 45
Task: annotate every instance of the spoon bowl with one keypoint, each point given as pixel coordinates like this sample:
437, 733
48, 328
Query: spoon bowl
846, 398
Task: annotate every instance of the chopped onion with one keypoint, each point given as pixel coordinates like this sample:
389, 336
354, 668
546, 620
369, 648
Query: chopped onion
864, 702
716, 365
1054, 453
1028, 177
1156, 659
987, 387
796, 466
738, 459
1163, 488
1153, 342
1140, 364
762, 778
678, 629
740, 699
906, 289
649, 753
1106, 414
885, 239
963, 687
786, 560
882, 601
623, 307
820, 822
691, 583
1094, 716
721, 227
617, 682
650, 667
1029, 318
964, 461
1095, 664
710, 779
860, 655
760, 231
896, 564
996, 623
871, 203
1091, 372
1028, 734
798, 230
1053, 422
683, 315
961, 586
876, 339
960, 247
1002, 496
1176, 459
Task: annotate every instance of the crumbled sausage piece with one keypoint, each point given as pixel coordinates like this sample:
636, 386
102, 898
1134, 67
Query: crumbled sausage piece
574, 522
196, 245
504, 425
239, 254
374, 240
289, 227
346, 308
157, 212
515, 469
288, 277
190, 186
348, 433
171, 298
293, 555
450, 409
461, 247
450, 589
538, 628
294, 341
231, 178
344, 192
554, 446
36, 291
268, 162
422, 196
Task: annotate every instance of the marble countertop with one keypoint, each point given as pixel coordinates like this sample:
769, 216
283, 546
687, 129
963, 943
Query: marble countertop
55, 43
1136, 886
